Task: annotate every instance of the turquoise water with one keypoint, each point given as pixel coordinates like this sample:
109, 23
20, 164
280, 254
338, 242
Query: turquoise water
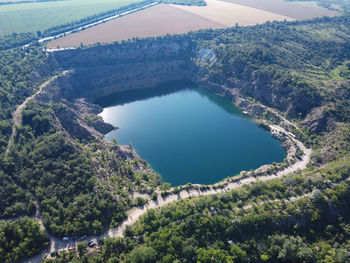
188, 134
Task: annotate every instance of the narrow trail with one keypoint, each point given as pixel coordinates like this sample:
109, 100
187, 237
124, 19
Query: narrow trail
17, 114
17, 121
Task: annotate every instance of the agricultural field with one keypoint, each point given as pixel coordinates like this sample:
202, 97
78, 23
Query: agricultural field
39, 16
169, 19
22, 1
13, 1
229, 14
297, 10
159, 20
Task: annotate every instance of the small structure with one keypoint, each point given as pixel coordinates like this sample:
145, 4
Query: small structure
91, 244
207, 55
291, 134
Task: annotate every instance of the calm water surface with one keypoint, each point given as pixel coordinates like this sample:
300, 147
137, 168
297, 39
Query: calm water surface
188, 134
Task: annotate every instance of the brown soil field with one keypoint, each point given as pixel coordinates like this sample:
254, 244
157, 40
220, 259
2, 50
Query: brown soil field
229, 14
155, 21
290, 9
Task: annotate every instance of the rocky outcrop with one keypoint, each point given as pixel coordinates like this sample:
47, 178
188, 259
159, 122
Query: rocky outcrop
318, 120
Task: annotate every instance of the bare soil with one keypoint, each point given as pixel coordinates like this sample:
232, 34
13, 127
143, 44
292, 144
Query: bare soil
290, 9
152, 22
229, 13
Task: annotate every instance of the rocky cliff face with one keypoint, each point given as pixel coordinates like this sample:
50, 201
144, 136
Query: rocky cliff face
168, 48
94, 82
103, 70
262, 87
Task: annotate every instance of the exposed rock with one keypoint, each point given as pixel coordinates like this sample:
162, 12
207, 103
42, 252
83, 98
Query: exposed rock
127, 153
317, 120
72, 124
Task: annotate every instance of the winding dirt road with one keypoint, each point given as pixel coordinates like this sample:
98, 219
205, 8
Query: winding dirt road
17, 114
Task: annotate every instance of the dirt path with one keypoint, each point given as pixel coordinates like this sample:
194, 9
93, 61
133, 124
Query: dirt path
17, 114
17, 121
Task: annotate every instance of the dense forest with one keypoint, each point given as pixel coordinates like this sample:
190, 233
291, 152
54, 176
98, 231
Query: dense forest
21, 239
62, 176
341, 5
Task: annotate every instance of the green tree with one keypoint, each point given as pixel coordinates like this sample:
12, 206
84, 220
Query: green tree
143, 255
114, 141
81, 248
213, 256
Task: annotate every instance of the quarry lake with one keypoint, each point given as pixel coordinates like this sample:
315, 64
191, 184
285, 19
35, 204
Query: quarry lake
187, 134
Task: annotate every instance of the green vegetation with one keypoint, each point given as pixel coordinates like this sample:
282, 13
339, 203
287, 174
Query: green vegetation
282, 61
16, 76
15, 40
21, 239
14, 200
40, 16
63, 177
20, 70
339, 5
13, 2
301, 69
185, 2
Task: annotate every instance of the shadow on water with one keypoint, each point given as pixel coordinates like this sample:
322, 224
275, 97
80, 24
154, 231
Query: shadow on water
225, 104
124, 97
166, 88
